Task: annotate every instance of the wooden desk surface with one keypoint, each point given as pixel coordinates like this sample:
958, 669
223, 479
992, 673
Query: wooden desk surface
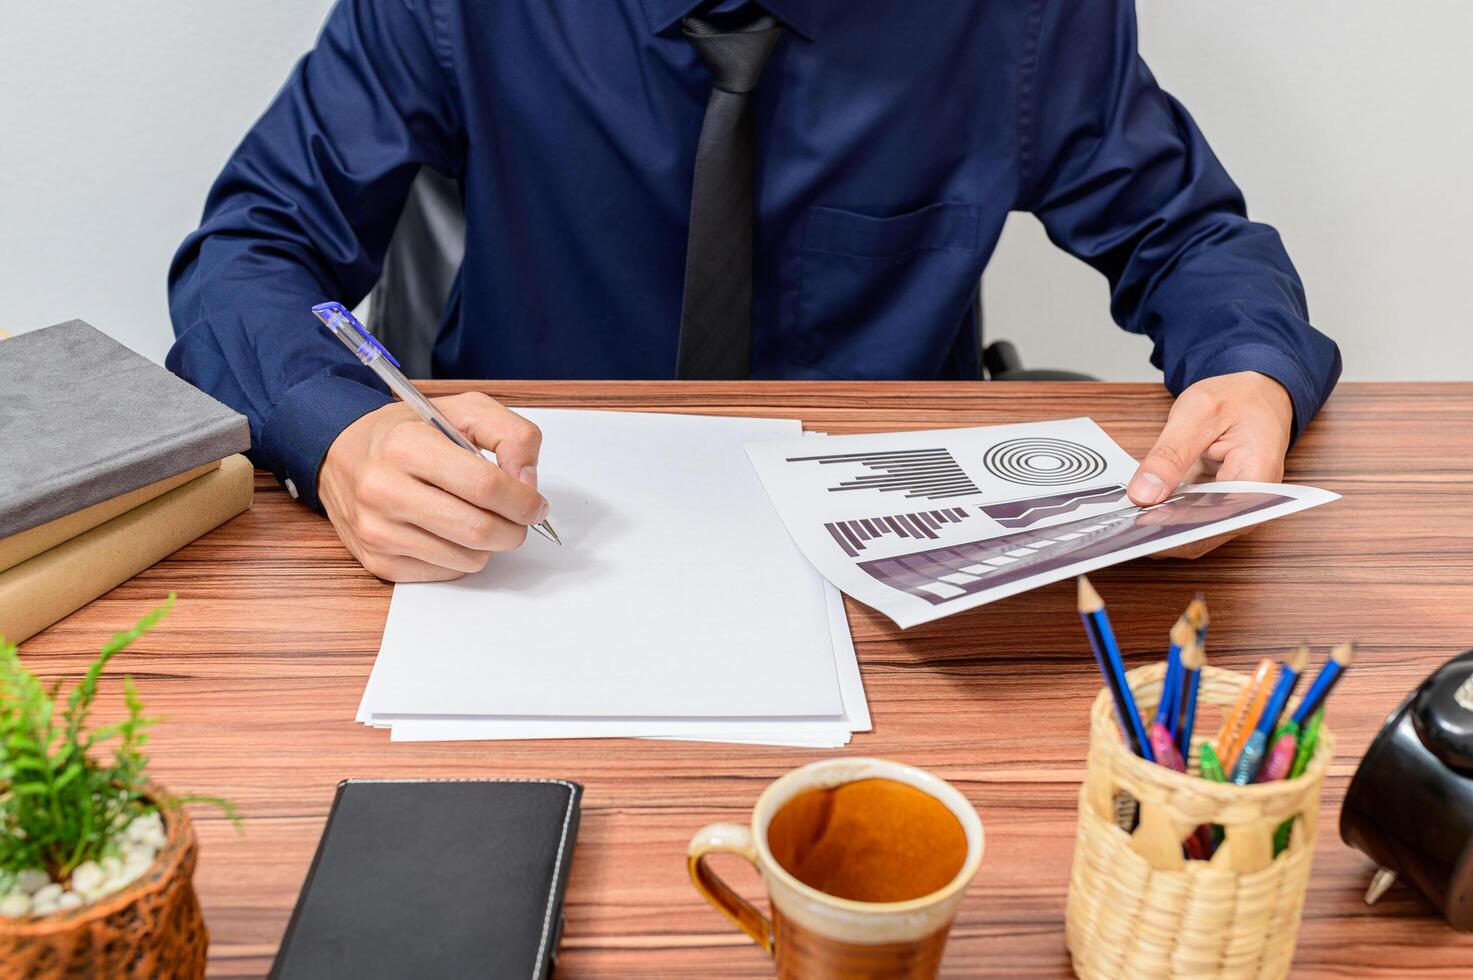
259, 669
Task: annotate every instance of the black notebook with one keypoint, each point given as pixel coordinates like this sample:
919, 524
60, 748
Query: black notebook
435, 878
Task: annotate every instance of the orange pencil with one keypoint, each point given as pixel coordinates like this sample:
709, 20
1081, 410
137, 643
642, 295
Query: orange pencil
1240, 721
1256, 707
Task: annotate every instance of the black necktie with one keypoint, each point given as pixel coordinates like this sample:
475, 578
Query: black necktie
716, 314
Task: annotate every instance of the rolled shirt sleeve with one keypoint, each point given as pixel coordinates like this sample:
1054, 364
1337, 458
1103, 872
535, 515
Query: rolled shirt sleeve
302, 213
1122, 178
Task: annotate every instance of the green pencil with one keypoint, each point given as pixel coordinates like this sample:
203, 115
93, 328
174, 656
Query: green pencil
1212, 771
1307, 744
1302, 755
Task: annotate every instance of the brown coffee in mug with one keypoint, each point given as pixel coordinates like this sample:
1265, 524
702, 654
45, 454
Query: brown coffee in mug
872, 840
865, 862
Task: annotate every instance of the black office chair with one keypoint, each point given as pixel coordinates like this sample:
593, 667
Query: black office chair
1001, 361
425, 253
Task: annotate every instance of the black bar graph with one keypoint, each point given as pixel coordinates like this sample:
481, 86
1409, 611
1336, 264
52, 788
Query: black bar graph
931, 474
853, 535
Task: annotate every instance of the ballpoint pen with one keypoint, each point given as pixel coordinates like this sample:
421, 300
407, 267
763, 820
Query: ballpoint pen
345, 326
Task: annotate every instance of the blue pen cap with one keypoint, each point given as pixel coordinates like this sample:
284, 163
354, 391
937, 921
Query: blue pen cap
354, 335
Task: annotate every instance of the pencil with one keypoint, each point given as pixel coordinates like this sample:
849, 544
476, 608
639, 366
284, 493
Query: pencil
1250, 755
1238, 720
1212, 772
1107, 656
1192, 658
1170, 705
1340, 660
1197, 616
1309, 737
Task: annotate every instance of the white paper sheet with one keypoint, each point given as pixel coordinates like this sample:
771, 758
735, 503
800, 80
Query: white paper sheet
819, 732
678, 598
921, 525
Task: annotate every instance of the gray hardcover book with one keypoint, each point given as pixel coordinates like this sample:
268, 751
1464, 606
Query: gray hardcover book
84, 419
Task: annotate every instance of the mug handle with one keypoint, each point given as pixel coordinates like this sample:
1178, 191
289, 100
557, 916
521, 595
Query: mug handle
728, 838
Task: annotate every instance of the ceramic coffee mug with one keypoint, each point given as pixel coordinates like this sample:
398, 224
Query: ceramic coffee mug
853, 844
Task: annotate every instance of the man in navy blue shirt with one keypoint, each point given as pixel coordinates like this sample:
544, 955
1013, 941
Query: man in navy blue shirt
885, 145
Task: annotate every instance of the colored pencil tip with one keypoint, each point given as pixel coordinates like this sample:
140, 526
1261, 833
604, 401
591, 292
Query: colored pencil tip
1089, 599
1192, 655
1299, 658
1344, 654
1197, 612
1182, 633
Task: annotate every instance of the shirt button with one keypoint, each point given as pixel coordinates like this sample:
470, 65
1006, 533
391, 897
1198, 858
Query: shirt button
291, 487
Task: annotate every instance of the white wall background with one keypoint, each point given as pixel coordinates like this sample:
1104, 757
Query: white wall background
115, 118
1347, 123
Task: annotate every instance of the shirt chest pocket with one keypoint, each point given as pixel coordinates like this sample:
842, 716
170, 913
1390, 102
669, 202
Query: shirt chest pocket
880, 296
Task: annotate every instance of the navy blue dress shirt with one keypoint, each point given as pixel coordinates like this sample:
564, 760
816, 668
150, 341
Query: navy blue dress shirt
892, 141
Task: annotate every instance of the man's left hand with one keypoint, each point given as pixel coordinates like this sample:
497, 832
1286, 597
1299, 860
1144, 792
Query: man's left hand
1231, 427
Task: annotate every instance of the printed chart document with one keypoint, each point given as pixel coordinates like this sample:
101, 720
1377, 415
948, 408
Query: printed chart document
921, 525
678, 606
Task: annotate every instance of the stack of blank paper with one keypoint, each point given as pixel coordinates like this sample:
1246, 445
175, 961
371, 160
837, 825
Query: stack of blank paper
678, 606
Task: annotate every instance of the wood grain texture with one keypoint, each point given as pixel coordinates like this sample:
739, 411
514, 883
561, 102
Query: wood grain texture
259, 669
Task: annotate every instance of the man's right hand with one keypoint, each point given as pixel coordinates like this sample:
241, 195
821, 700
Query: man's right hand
412, 506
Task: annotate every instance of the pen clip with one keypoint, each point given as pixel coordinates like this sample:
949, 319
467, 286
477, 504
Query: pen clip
335, 314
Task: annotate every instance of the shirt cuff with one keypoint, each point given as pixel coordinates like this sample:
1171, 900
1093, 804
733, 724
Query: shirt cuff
1304, 394
301, 427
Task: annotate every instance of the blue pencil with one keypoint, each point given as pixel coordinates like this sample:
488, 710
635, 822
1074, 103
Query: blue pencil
1192, 659
1340, 660
1107, 656
1256, 747
1197, 617
1170, 704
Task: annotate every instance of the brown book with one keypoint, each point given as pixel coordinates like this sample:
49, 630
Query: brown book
30, 543
62, 579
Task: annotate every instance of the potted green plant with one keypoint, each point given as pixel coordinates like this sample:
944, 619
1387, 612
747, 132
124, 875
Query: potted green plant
96, 862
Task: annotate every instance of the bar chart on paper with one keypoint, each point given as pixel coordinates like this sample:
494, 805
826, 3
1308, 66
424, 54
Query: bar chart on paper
925, 525
932, 474
922, 524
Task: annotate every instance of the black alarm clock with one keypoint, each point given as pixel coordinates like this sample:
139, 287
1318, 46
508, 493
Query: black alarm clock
1410, 804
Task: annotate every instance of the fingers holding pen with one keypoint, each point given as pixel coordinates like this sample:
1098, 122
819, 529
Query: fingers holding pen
404, 499
427, 456
412, 506
516, 441
393, 538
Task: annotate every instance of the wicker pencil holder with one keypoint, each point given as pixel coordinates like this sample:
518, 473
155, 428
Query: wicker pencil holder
1137, 908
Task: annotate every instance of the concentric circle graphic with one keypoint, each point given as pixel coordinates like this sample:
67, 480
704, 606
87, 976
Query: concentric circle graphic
1043, 462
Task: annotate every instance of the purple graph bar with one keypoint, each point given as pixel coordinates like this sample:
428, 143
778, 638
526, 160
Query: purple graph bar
941, 574
852, 535
839, 537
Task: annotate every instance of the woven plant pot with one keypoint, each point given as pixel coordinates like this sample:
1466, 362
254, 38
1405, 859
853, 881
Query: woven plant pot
1137, 908
152, 928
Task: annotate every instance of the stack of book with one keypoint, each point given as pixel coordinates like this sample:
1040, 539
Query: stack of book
108, 463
